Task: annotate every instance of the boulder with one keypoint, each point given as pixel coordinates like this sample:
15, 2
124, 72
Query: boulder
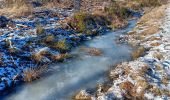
3, 21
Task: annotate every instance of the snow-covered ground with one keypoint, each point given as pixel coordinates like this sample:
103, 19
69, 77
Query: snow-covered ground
23, 48
147, 77
19, 41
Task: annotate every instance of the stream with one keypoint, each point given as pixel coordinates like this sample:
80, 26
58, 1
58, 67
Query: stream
83, 71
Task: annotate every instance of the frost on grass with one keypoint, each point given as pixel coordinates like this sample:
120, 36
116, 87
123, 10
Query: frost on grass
26, 44
146, 77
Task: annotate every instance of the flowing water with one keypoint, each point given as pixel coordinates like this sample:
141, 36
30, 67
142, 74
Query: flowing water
81, 72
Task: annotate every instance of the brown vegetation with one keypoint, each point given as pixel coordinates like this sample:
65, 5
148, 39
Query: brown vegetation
61, 45
33, 73
94, 52
151, 30
158, 55
40, 30
137, 53
154, 15
81, 96
16, 8
39, 56
60, 57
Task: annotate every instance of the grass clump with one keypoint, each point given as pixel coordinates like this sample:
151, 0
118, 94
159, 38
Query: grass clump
33, 73
126, 85
40, 30
117, 15
78, 21
150, 31
16, 3
38, 56
49, 38
17, 8
150, 3
158, 55
117, 10
137, 53
94, 52
60, 57
61, 45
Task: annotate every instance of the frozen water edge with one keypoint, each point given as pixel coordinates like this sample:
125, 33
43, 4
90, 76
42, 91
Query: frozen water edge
20, 37
157, 70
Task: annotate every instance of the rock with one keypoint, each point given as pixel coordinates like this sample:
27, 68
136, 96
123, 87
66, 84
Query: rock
3, 21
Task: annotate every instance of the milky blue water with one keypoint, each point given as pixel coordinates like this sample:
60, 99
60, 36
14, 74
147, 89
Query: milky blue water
81, 72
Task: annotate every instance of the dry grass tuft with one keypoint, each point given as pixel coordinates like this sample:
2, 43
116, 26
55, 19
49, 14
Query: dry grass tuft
155, 90
158, 55
139, 52
16, 8
60, 57
132, 33
40, 30
127, 70
94, 52
81, 96
151, 30
56, 3
126, 85
61, 45
39, 56
155, 44
165, 80
49, 38
33, 73
153, 38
